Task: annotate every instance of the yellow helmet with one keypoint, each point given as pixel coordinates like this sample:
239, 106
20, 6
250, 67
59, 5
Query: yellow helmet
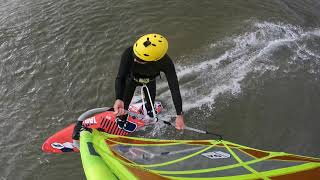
150, 47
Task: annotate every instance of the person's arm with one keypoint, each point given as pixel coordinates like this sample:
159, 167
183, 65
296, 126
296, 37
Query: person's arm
120, 82
123, 73
171, 75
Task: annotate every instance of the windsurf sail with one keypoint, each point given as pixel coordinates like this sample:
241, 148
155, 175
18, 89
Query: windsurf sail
140, 158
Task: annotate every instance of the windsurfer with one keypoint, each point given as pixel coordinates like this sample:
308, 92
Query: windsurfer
140, 65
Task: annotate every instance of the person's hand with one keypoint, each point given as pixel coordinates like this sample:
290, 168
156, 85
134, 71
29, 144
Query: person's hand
119, 107
179, 122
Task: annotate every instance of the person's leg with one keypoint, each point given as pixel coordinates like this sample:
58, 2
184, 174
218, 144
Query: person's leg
152, 90
128, 93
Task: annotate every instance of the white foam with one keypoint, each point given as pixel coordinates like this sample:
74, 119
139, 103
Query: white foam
248, 52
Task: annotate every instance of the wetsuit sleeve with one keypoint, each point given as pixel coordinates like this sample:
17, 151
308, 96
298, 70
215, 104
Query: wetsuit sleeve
123, 73
171, 75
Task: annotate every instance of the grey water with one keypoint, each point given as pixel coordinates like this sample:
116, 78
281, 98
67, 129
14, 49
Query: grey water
249, 70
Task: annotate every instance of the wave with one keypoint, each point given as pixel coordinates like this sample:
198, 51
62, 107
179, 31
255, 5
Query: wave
267, 47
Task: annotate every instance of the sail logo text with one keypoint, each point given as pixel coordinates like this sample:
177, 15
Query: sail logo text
216, 155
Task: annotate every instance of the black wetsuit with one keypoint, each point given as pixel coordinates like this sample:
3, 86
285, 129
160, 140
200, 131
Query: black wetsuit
130, 72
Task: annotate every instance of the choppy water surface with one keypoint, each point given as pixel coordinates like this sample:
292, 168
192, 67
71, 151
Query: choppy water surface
247, 69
